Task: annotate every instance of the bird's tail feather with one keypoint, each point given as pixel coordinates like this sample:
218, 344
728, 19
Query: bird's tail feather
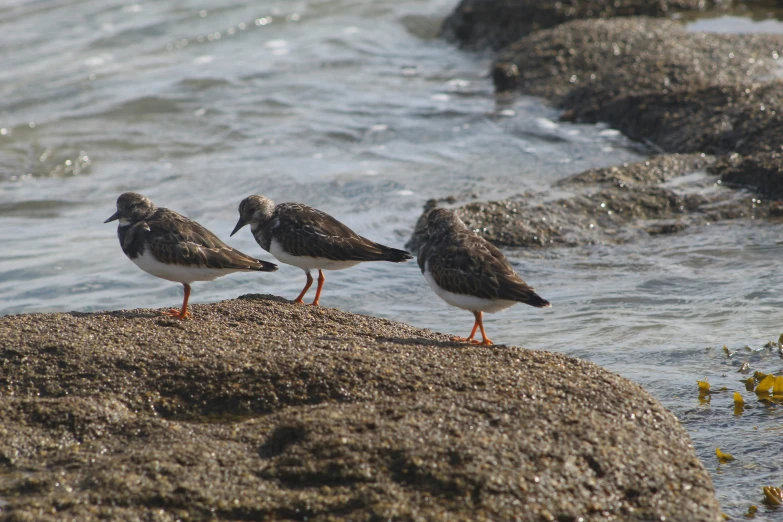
395, 255
533, 299
264, 266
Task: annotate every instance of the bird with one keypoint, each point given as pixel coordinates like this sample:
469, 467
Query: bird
302, 236
170, 246
469, 272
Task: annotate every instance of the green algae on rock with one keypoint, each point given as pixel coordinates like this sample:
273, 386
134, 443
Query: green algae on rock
261, 409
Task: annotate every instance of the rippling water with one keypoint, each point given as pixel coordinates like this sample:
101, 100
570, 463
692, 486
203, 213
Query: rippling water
354, 107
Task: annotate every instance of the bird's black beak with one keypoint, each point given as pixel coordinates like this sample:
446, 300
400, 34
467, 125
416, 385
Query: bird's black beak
241, 223
114, 217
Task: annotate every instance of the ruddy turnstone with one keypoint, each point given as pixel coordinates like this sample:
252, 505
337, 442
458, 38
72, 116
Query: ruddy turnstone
307, 238
170, 246
468, 272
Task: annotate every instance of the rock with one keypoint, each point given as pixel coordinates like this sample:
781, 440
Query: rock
763, 172
654, 171
605, 59
674, 90
262, 409
609, 205
481, 24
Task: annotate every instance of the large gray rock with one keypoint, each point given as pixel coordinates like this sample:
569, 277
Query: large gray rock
480, 24
262, 409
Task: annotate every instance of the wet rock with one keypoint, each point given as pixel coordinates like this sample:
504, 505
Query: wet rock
505, 76
716, 119
673, 90
262, 409
653, 171
609, 205
665, 229
763, 172
481, 24
605, 59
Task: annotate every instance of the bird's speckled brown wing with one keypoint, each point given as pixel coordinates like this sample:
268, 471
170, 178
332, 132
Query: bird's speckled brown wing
175, 239
305, 231
466, 264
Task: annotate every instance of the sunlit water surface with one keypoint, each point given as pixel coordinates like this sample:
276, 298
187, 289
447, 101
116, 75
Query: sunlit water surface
355, 108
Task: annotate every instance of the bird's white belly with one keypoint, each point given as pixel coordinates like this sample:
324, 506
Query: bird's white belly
467, 302
307, 263
177, 273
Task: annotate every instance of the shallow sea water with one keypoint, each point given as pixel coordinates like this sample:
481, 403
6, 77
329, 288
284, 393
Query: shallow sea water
355, 108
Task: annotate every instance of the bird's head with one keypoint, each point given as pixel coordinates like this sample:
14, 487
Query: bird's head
255, 211
132, 208
443, 220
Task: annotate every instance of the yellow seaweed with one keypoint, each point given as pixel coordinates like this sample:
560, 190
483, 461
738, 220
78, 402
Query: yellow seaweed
739, 404
773, 496
759, 376
751, 512
704, 386
749, 383
723, 458
777, 388
766, 384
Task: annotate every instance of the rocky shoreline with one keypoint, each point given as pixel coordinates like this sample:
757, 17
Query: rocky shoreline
678, 92
262, 409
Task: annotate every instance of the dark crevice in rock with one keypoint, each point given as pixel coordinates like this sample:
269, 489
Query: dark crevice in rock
282, 438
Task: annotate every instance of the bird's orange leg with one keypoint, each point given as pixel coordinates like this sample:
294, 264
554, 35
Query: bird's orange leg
480, 319
472, 333
181, 314
321, 280
305, 289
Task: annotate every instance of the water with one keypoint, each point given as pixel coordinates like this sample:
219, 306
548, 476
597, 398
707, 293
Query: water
355, 108
758, 16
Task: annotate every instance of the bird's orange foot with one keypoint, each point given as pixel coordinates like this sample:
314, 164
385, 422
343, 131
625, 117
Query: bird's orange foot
299, 301
465, 340
485, 342
177, 314
315, 303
